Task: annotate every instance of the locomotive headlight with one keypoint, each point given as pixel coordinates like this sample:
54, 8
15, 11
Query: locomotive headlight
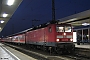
57, 40
64, 33
71, 39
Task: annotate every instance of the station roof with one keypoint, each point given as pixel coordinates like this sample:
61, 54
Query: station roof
77, 19
7, 9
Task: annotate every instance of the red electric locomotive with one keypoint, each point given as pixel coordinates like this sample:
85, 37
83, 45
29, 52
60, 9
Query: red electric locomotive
57, 37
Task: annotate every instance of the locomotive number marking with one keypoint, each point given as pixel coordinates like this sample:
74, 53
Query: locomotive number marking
64, 39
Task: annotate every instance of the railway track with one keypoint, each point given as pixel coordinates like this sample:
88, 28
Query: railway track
83, 51
77, 57
40, 55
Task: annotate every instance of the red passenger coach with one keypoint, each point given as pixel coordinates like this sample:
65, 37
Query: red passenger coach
19, 38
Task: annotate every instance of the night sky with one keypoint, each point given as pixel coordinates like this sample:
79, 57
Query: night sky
41, 10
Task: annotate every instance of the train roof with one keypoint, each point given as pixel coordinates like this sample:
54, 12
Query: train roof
30, 29
38, 27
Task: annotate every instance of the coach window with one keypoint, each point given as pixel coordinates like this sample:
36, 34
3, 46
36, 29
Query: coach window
50, 30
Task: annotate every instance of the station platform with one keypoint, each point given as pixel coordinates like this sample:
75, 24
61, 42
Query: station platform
85, 45
4, 54
7, 53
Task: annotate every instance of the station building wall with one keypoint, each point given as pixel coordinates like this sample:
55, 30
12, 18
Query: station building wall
84, 33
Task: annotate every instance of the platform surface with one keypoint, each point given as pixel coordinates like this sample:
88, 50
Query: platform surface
85, 45
7, 53
4, 55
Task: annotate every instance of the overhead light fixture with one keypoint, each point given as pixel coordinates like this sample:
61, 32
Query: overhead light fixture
2, 21
0, 28
85, 24
5, 15
10, 2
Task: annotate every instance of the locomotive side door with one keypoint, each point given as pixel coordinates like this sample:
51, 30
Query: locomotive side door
44, 36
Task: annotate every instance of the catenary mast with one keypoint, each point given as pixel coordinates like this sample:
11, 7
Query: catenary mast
53, 10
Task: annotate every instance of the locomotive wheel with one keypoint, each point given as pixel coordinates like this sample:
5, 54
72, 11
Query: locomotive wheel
44, 48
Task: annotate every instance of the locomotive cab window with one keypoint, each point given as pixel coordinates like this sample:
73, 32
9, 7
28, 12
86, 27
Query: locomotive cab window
67, 28
59, 28
63, 28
